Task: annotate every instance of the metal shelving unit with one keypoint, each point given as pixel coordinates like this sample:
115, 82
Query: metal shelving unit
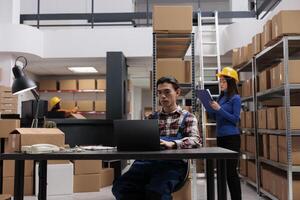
168, 45
285, 48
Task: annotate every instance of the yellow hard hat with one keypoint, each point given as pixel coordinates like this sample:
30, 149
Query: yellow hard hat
228, 71
53, 101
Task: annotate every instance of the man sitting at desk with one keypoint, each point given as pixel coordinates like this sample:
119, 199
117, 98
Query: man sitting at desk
156, 180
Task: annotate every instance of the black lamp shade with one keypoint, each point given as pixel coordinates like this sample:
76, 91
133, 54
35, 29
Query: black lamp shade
21, 82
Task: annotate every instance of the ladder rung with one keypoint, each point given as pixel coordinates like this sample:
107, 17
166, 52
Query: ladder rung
207, 18
210, 124
209, 43
213, 30
210, 138
210, 68
211, 82
210, 55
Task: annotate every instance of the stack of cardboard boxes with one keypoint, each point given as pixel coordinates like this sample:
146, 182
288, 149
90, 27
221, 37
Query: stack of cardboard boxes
272, 115
281, 24
8, 102
81, 85
171, 51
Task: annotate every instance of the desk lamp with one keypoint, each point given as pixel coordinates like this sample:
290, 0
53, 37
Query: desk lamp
23, 84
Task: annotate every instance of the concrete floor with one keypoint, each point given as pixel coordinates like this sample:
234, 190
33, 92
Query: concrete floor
248, 193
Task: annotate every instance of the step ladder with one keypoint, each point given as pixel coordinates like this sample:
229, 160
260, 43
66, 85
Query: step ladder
210, 63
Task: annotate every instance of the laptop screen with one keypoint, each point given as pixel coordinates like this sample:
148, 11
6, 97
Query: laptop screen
137, 135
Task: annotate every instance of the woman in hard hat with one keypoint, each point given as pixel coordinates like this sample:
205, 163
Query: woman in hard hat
227, 114
55, 107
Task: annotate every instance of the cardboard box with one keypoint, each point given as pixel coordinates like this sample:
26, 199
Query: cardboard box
106, 177
7, 106
293, 71
86, 183
5, 89
267, 33
273, 147
29, 136
68, 105
284, 187
235, 57
249, 119
13, 100
243, 167
272, 118
184, 192
243, 120
7, 126
250, 141
266, 146
9, 168
101, 84
67, 85
86, 84
283, 150
100, 106
178, 68
8, 111
87, 166
85, 105
172, 19
243, 54
49, 85
59, 179
5, 197
6, 94
294, 117
8, 185
264, 80
262, 118
256, 43
247, 88
243, 142
251, 167
285, 23
249, 52
211, 131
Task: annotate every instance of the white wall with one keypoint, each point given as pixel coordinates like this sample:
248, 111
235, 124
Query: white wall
137, 101
10, 11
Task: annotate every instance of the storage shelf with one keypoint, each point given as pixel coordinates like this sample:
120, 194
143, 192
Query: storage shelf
279, 165
247, 130
277, 92
247, 155
274, 53
278, 132
269, 195
244, 99
248, 180
172, 45
70, 91
246, 67
185, 88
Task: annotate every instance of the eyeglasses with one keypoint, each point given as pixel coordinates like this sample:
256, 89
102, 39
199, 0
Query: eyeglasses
166, 92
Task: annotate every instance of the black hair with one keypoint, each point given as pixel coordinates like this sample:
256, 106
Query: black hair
231, 88
168, 79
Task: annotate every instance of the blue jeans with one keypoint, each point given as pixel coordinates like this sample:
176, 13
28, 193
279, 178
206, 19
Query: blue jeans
155, 180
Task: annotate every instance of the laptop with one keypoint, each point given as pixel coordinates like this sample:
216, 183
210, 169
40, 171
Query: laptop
137, 135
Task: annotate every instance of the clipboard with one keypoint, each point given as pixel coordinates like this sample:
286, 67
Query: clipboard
205, 98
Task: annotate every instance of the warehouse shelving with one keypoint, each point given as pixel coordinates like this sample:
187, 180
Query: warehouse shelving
171, 45
269, 195
284, 49
249, 181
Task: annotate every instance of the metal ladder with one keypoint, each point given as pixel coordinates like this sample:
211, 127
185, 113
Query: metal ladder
208, 70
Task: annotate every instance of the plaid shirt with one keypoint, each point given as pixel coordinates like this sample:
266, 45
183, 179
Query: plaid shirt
169, 124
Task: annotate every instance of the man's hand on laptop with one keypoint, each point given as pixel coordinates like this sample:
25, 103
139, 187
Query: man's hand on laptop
168, 144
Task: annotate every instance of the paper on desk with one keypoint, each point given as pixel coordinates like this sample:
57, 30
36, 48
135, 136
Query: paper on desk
97, 147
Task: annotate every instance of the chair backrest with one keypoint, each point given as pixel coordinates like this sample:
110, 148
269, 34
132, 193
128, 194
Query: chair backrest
180, 185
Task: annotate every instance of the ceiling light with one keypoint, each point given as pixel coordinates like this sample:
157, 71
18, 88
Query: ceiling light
83, 69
